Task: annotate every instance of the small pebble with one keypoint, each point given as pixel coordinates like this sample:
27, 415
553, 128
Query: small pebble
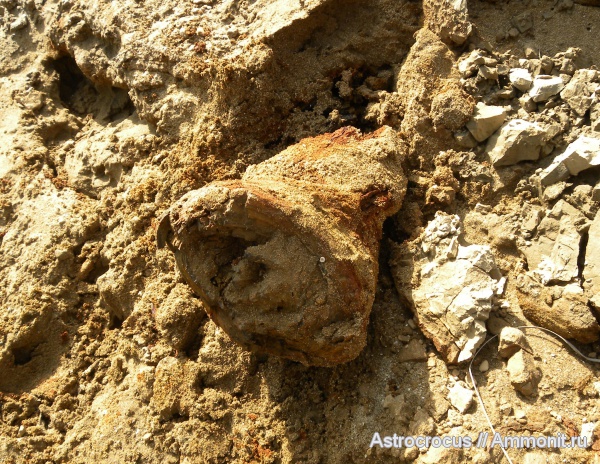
484, 366
505, 409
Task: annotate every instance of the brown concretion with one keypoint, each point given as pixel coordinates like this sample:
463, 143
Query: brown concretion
285, 259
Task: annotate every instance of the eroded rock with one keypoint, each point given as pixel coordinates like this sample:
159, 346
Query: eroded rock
178, 317
562, 309
579, 92
591, 271
510, 341
285, 259
460, 397
523, 373
175, 387
552, 256
582, 154
595, 115
521, 79
470, 63
451, 287
517, 140
485, 121
544, 87
449, 19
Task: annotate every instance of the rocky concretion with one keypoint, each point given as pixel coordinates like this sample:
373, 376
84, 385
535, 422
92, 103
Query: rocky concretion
285, 259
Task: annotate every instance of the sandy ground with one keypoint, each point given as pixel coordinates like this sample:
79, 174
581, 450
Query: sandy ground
111, 112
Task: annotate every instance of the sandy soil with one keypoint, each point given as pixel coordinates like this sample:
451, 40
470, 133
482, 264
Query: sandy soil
112, 111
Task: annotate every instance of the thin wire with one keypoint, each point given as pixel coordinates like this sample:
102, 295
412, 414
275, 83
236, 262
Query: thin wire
480, 399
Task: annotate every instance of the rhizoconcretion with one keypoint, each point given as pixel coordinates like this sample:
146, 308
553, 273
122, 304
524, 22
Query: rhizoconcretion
285, 259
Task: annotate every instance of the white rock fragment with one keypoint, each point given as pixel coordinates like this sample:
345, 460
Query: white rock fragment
460, 397
579, 92
470, 64
587, 431
5, 165
520, 414
510, 341
478, 255
552, 192
591, 270
500, 287
531, 218
488, 73
545, 86
19, 23
517, 140
523, 374
457, 286
521, 79
552, 257
505, 409
580, 155
438, 229
556, 416
484, 366
485, 121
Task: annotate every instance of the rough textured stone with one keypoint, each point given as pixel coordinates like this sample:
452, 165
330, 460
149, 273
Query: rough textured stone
580, 155
451, 109
470, 64
545, 87
587, 431
579, 92
179, 316
517, 140
552, 256
521, 79
285, 259
413, 351
596, 192
510, 341
449, 19
460, 397
562, 309
524, 375
591, 271
595, 114
486, 120
551, 294
175, 387
456, 286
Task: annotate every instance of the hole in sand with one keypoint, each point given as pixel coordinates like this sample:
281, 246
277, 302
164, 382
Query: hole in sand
80, 95
22, 355
115, 322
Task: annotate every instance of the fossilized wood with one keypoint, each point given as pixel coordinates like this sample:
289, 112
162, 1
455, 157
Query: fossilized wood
285, 259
